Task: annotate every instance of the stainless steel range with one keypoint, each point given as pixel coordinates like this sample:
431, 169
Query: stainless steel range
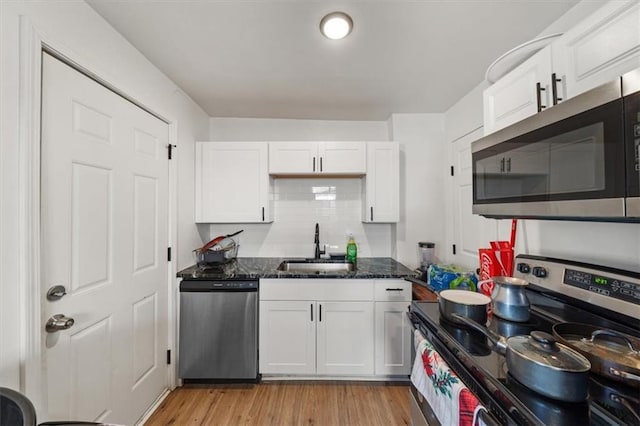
560, 292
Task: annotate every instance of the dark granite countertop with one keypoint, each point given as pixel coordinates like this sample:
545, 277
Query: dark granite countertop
265, 267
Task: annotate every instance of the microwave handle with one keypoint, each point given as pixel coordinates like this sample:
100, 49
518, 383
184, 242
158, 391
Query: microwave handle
539, 90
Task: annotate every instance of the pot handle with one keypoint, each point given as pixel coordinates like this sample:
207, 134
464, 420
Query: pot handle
612, 333
499, 343
624, 374
626, 404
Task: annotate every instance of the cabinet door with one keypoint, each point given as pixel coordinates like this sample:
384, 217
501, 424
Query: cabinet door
345, 338
342, 157
287, 337
515, 96
293, 158
232, 182
382, 183
393, 339
599, 49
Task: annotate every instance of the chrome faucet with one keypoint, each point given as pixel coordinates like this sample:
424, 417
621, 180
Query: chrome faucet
317, 242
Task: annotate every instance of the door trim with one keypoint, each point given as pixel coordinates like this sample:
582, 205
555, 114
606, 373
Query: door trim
32, 43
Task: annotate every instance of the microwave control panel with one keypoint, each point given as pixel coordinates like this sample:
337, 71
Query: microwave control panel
604, 285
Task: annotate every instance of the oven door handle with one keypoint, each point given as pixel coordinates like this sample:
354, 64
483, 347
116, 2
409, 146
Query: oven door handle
487, 418
413, 320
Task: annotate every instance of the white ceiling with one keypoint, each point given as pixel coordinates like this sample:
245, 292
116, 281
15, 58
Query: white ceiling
267, 58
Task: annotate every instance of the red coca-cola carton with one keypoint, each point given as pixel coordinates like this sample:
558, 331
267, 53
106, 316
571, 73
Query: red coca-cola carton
488, 268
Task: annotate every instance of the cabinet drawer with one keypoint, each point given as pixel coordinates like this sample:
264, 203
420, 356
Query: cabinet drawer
316, 289
393, 290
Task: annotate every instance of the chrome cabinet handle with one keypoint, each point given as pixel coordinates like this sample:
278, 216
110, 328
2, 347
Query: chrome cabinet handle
554, 88
58, 322
539, 90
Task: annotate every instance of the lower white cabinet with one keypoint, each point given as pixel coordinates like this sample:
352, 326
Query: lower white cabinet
287, 337
393, 338
344, 343
343, 331
308, 338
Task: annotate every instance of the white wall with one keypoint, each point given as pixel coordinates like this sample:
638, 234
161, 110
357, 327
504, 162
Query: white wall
296, 209
422, 173
335, 204
75, 29
265, 129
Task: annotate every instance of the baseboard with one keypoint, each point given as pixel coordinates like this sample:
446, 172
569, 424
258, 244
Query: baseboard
153, 408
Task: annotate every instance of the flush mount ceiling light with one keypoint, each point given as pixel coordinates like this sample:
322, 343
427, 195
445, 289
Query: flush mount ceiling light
336, 25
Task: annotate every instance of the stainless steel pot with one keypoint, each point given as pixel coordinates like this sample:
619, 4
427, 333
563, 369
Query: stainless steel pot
541, 364
509, 300
465, 303
612, 354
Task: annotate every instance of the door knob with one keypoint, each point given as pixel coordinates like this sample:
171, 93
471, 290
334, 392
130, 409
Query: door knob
58, 322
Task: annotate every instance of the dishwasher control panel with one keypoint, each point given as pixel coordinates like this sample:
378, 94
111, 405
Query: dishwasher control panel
218, 285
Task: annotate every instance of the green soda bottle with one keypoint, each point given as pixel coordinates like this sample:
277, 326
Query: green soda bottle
352, 250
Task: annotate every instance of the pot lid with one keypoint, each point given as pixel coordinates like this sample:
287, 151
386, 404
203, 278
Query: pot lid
542, 348
602, 346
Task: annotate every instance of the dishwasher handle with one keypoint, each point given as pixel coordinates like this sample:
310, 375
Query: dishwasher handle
211, 286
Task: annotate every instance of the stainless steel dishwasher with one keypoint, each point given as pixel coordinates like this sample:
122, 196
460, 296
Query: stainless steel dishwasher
218, 339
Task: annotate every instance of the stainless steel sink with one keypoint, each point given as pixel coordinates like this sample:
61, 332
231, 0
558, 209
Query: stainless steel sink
315, 266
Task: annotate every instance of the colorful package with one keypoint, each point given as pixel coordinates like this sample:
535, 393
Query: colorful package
443, 277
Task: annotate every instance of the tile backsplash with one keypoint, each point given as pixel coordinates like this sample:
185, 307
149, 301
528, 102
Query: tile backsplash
335, 204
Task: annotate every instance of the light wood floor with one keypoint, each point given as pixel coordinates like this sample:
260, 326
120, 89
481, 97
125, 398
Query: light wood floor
286, 403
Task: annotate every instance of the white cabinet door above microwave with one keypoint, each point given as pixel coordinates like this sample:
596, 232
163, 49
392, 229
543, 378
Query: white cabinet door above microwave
232, 182
317, 158
519, 94
599, 49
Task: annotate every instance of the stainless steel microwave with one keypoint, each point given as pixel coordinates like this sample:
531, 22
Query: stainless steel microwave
577, 160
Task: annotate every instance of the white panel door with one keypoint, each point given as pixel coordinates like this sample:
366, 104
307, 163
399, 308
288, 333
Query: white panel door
393, 338
470, 232
287, 337
345, 338
232, 182
104, 237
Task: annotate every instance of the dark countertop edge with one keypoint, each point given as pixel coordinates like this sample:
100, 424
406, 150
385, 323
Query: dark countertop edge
273, 274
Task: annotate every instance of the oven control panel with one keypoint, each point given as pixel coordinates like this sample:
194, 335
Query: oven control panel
609, 288
604, 285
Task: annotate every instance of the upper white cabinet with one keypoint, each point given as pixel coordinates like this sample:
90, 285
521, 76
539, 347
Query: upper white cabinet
519, 94
232, 182
381, 202
599, 49
317, 158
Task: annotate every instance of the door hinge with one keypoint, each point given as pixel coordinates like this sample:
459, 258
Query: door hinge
453, 248
171, 147
168, 356
451, 170
168, 254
